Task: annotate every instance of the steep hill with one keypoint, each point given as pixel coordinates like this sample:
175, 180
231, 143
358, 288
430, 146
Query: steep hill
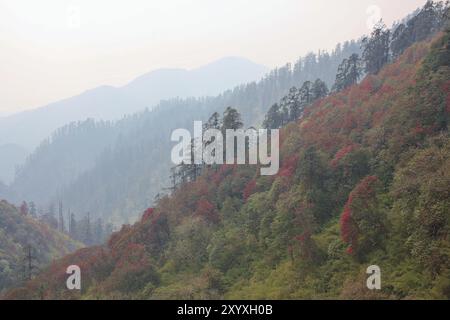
107, 175
364, 180
26, 242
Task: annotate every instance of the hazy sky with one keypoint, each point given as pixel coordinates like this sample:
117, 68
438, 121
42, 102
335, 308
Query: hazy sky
52, 49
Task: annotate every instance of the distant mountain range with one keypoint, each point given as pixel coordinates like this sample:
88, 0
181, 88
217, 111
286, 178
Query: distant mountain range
364, 177
115, 170
27, 129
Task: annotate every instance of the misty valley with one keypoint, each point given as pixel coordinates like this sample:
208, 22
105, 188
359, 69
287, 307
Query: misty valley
326, 178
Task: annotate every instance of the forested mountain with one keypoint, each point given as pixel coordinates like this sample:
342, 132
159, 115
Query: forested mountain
364, 180
59, 160
164, 84
132, 155
27, 246
29, 128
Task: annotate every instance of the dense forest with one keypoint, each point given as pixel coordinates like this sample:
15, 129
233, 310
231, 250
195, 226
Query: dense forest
364, 180
99, 167
27, 245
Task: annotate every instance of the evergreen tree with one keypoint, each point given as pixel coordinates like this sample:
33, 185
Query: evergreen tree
87, 238
49, 217
306, 94
349, 72
231, 119
294, 103
319, 90
29, 262
33, 211
73, 226
61, 226
273, 118
99, 234
430, 19
376, 48
213, 122
401, 39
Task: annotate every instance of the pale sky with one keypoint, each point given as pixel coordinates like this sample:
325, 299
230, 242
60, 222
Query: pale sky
53, 49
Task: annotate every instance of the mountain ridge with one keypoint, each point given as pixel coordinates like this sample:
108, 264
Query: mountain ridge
364, 180
141, 136
28, 128
255, 72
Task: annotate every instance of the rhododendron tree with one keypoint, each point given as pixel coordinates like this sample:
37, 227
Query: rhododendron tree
341, 154
363, 220
249, 189
207, 211
147, 214
288, 166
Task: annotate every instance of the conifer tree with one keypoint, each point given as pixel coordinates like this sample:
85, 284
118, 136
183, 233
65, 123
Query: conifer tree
319, 90
273, 118
376, 48
61, 225
348, 74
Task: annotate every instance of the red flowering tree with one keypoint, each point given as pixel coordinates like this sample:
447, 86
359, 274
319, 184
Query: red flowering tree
132, 272
206, 210
249, 189
289, 166
341, 154
147, 214
362, 221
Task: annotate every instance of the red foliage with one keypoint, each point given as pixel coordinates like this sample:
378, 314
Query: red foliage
200, 187
223, 171
349, 230
117, 237
419, 129
341, 154
350, 121
289, 166
282, 136
365, 190
367, 84
386, 89
147, 214
206, 210
249, 189
378, 117
306, 245
303, 237
337, 100
133, 255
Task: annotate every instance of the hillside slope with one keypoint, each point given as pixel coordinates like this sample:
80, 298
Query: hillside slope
364, 180
107, 175
25, 242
